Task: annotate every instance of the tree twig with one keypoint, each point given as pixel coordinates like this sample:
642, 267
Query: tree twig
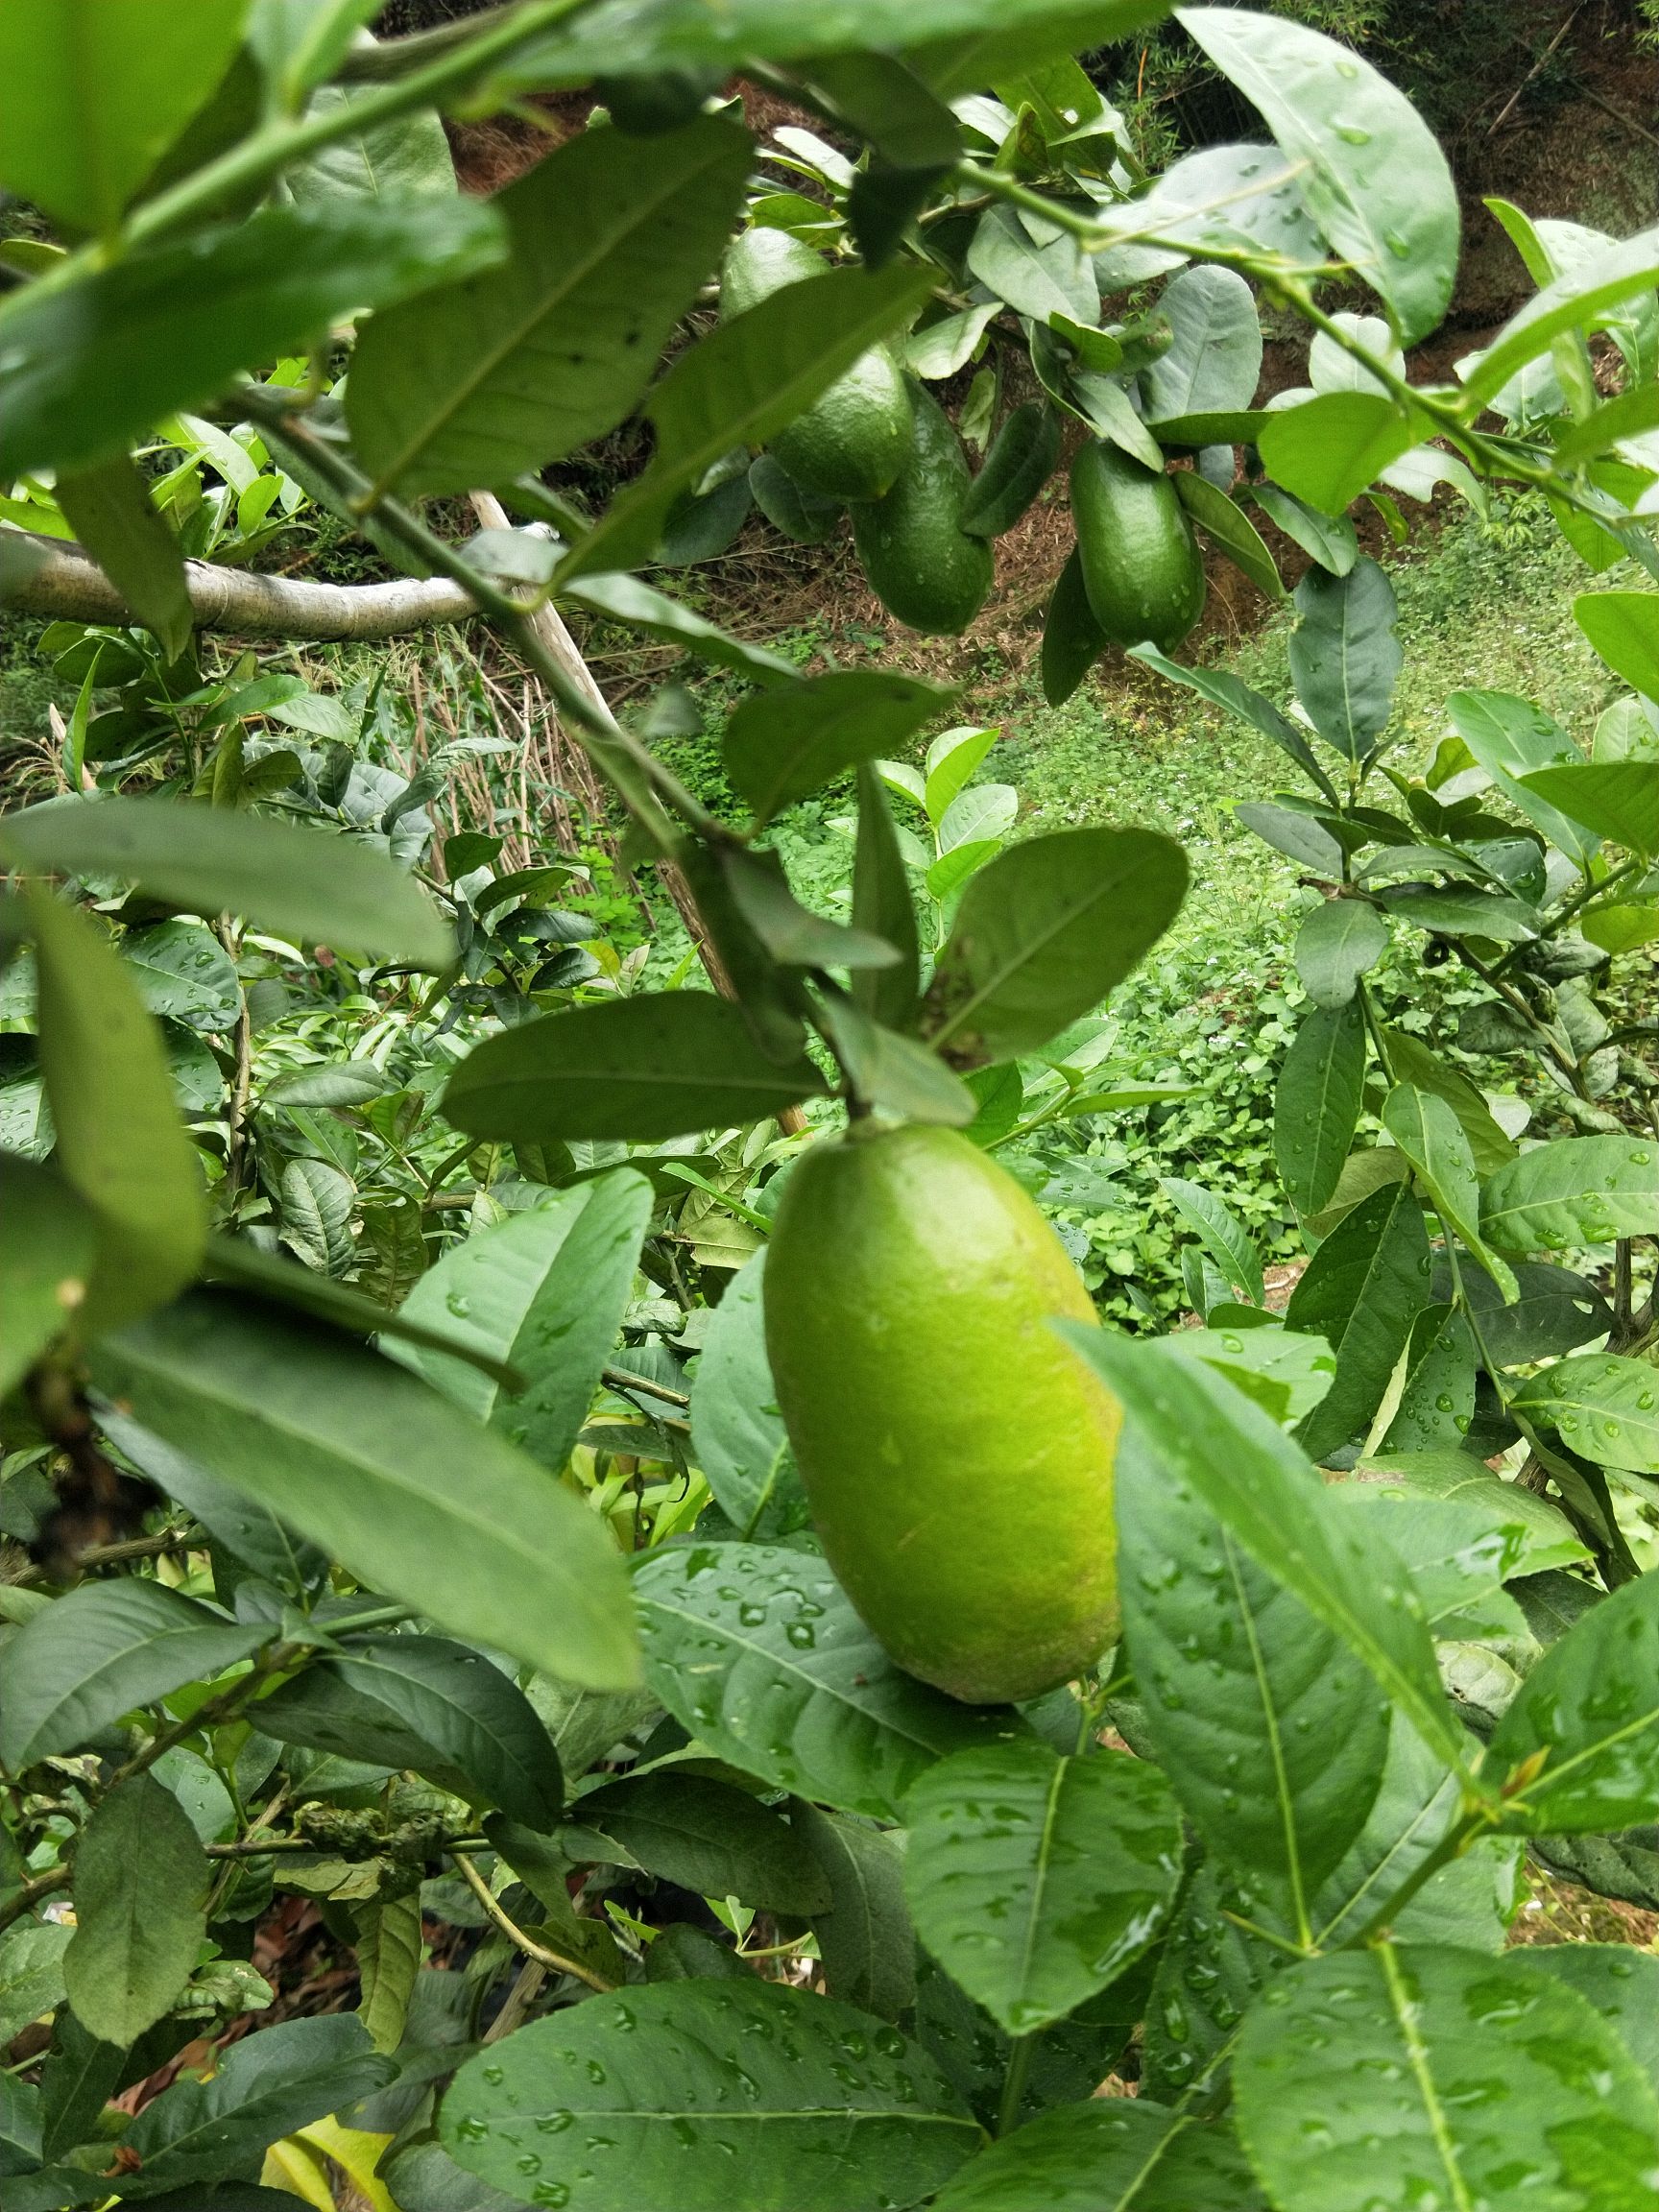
538, 1952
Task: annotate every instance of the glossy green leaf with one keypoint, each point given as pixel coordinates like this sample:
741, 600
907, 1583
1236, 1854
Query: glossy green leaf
1339, 941
92, 363
781, 746
1358, 2065
104, 1649
1438, 1386
518, 365
1374, 180
1345, 656
1107, 2155
1034, 1879
1316, 1104
1619, 800
708, 1836
79, 2077
110, 512
1457, 1557
1271, 1730
656, 1066
140, 1896
1214, 360
430, 1705
1459, 913
741, 385
896, 1075
1426, 1131
387, 1476
1230, 1243
737, 1432
1623, 628
1286, 1371
1361, 1292
96, 95
45, 1258
305, 884
865, 1939
1511, 738
1412, 1061
1573, 1192
1587, 1718
1072, 638
120, 1142
1053, 277
1602, 1406
882, 906
1020, 461
265, 2087
641, 607
1208, 1437
1329, 449
1543, 1532
407, 158
1572, 301
545, 1293
1621, 1981
842, 2114
185, 973
1045, 930
1328, 538
755, 1650
389, 1944
1231, 529
1223, 689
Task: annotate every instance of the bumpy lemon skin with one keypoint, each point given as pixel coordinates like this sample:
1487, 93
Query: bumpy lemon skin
957, 1455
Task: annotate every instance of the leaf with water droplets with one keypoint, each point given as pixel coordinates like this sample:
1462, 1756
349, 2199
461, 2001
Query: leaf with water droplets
1414, 2075
700, 2096
1621, 1981
1587, 1721
1108, 2154
1362, 1291
738, 1433
1034, 1880
1317, 1106
708, 1837
756, 1651
1574, 1193
1602, 1406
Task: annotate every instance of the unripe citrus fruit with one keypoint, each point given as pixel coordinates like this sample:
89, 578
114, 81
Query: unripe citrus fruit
922, 565
853, 441
1141, 562
957, 1455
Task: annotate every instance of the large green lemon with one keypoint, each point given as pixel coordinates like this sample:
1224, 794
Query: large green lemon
920, 562
1141, 567
957, 1455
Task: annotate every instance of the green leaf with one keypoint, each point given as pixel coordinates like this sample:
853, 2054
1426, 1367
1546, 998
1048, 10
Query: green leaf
1286, 1371
1543, 1532
1214, 360
865, 1940
841, 2115
520, 365
1230, 1243
96, 361
1361, 1292
755, 1650
1509, 738
1072, 638
388, 1963
120, 1142
1329, 449
140, 1898
96, 95
1623, 628
641, 605
407, 158
1374, 178
1465, 914
1621, 1983
883, 907
1231, 528
1316, 1104
185, 973
47, 1254
896, 1075
1339, 941
1223, 689
425, 1704
1425, 1129
388, 1476
1345, 656
661, 1065
303, 884
1573, 301
1437, 1389
1209, 1437
783, 745
265, 2087
1588, 1716
1045, 930
1034, 1880
1457, 1558
738, 1433
709, 1838
1270, 1728
1602, 1406
1359, 2048
1573, 1192
1410, 1061
1619, 800
109, 510
1330, 539
79, 2077
31, 1973
741, 385
104, 1649
545, 1294
1107, 2155
299, 42
1038, 281
1020, 463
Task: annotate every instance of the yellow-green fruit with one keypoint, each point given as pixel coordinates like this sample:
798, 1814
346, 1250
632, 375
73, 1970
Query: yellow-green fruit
922, 565
957, 1455
853, 441
1141, 562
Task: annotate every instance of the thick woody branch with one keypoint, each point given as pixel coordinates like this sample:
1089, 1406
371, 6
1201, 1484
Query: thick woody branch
67, 587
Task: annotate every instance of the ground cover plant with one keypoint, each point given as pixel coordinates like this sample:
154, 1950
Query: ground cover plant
606, 1487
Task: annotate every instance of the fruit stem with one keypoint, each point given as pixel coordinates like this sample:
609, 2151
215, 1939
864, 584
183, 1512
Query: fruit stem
1014, 2084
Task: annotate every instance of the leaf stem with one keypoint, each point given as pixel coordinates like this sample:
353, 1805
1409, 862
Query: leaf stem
538, 1952
1014, 2083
